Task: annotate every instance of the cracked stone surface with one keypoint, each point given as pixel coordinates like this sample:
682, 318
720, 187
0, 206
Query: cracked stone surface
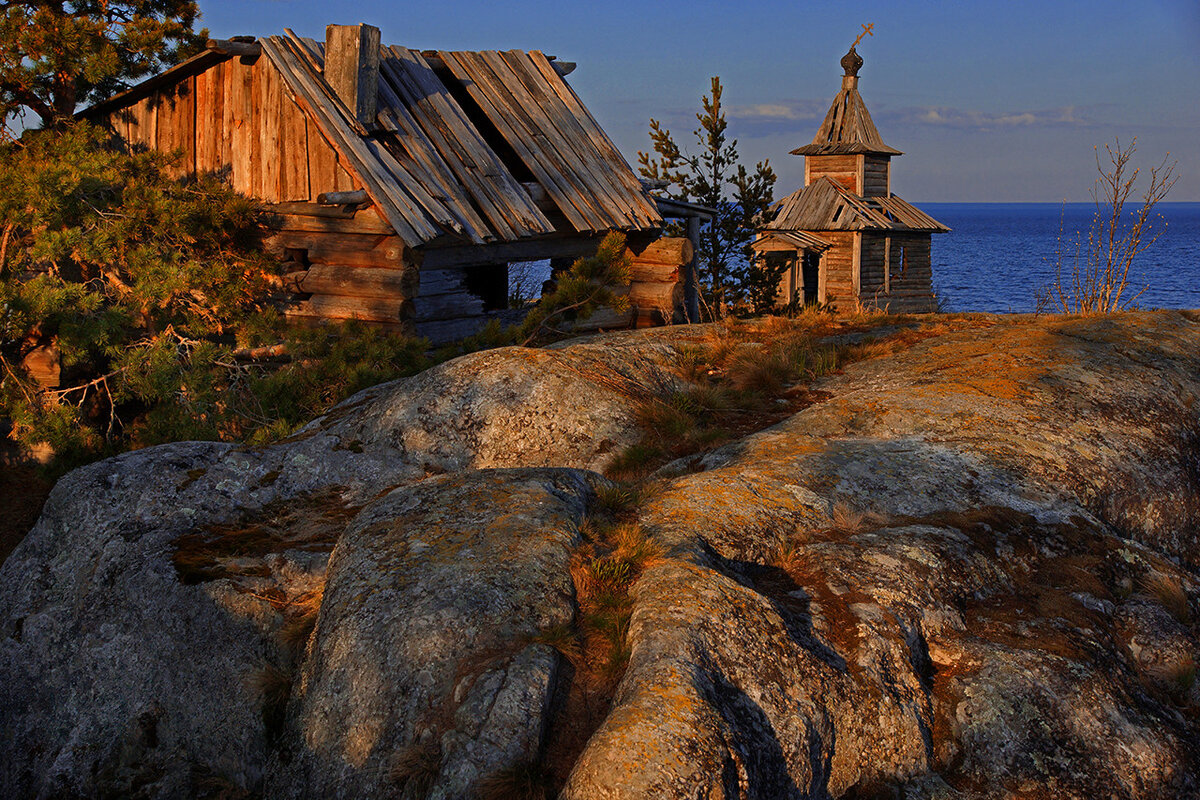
968, 572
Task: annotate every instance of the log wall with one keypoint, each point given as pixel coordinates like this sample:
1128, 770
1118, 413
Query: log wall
837, 269
238, 116
875, 176
909, 286
872, 264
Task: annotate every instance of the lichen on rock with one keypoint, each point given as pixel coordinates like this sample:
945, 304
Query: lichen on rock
965, 567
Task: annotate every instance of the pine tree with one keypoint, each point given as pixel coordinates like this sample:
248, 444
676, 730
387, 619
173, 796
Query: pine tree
727, 270
56, 55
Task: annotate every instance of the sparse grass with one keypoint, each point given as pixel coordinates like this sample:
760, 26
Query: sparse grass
613, 555
846, 519
274, 686
564, 639
743, 377
527, 780
300, 619
1169, 592
636, 460
1176, 678
414, 769
603, 571
312, 523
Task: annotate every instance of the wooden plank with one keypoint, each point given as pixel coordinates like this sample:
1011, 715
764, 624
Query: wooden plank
293, 152
322, 161
243, 138
482, 93
644, 209
306, 209
204, 123
339, 248
352, 68
381, 309
225, 132
647, 272
187, 126
274, 163
607, 174
665, 297
346, 281
412, 211
441, 281
563, 132
266, 124
438, 132
323, 107
588, 194
134, 125
44, 365
667, 250
529, 250
365, 223
210, 113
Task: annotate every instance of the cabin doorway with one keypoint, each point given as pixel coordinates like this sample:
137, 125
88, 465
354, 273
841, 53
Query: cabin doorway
810, 274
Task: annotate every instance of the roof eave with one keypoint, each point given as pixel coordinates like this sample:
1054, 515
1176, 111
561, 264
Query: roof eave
815, 149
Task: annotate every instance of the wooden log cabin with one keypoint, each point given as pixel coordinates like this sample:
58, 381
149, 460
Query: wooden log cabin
845, 239
401, 184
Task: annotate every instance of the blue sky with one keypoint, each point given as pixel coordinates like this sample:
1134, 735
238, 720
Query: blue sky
990, 101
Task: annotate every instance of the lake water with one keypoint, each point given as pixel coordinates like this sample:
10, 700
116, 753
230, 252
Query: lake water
998, 253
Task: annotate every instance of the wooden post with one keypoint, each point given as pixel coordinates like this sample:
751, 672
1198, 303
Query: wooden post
691, 281
352, 68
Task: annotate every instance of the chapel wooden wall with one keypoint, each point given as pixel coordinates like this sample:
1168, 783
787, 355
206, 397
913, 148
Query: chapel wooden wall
837, 269
906, 286
875, 176
864, 175
842, 170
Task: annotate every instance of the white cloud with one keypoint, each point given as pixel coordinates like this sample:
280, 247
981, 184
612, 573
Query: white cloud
944, 116
780, 111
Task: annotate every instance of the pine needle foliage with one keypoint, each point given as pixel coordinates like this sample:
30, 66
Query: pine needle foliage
149, 288
731, 277
55, 55
590, 284
133, 276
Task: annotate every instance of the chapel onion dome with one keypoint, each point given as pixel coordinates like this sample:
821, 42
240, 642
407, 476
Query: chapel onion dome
848, 128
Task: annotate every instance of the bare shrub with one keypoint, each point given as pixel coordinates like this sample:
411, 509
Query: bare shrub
1096, 279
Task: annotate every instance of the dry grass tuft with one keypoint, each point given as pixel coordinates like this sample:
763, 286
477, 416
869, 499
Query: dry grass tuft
300, 619
414, 769
1176, 678
274, 686
564, 639
527, 780
845, 518
1169, 592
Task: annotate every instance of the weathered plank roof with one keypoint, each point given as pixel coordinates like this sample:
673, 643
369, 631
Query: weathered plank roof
847, 129
798, 239
464, 143
823, 205
445, 172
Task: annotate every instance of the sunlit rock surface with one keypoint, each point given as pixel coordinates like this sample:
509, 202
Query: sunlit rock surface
969, 571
